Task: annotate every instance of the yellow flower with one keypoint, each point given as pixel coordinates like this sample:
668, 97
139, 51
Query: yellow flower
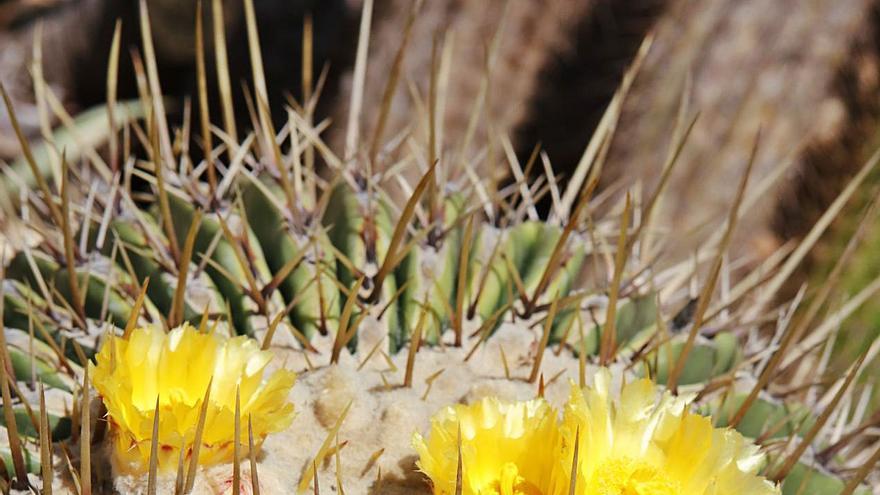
506, 448
641, 442
646, 442
176, 368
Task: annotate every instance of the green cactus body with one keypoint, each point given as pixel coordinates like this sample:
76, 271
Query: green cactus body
311, 283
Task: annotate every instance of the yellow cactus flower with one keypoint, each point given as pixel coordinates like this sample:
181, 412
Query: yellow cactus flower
175, 368
647, 442
507, 448
643, 441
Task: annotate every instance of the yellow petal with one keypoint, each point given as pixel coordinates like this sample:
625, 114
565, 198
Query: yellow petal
177, 367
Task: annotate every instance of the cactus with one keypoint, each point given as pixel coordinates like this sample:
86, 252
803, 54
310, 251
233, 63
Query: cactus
456, 278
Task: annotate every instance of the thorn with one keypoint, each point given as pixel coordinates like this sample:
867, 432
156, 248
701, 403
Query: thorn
322, 451
795, 330
391, 84
343, 334
197, 440
136, 310
45, 445
504, 361
609, 330
414, 345
336, 457
225, 88
370, 354
270, 332
352, 135
180, 477
164, 207
808, 438
15, 447
486, 328
179, 302
861, 474
372, 461
541, 386
391, 256
430, 382
574, 462
85, 438
204, 110
709, 289
317, 490
553, 263
154, 452
462, 278
236, 446
555, 377
252, 455
548, 326
67, 230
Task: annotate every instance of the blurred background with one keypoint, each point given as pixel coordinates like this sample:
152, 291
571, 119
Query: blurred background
542, 75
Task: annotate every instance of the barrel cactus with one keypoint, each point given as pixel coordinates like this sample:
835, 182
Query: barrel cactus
239, 320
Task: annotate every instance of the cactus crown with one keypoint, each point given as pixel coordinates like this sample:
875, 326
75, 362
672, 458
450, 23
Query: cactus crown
398, 248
